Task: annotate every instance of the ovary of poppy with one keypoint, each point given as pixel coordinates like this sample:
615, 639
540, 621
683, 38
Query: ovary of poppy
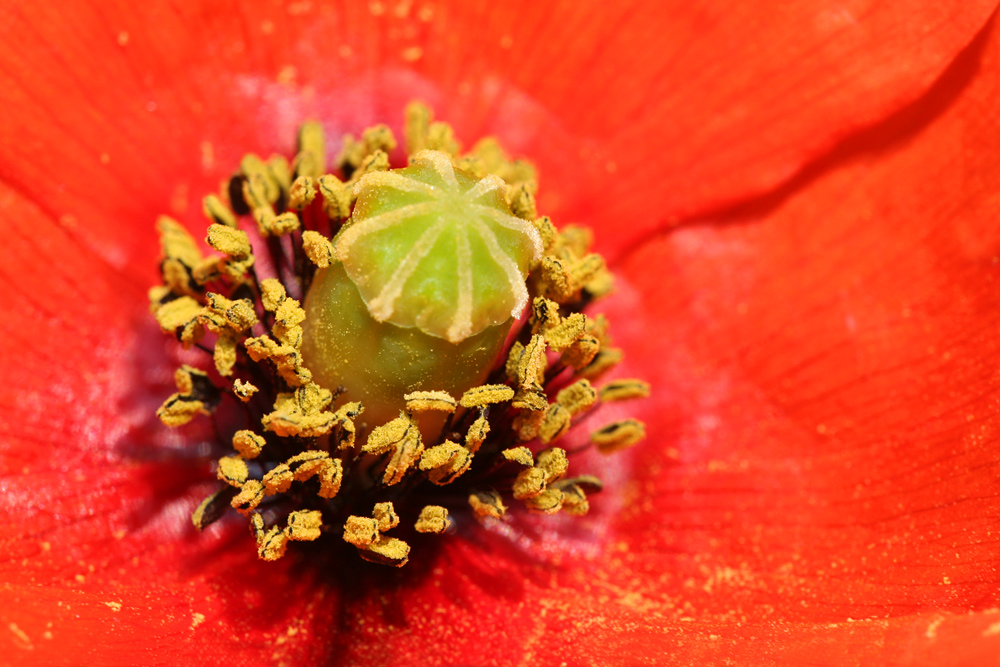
820, 480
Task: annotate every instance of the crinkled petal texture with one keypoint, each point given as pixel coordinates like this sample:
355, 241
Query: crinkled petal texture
828, 368
819, 483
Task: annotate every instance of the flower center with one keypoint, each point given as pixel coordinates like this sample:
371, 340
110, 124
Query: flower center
409, 369
436, 255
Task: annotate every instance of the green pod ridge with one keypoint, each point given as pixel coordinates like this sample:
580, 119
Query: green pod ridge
378, 362
431, 247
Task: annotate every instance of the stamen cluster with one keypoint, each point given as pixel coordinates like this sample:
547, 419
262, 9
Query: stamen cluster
305, 464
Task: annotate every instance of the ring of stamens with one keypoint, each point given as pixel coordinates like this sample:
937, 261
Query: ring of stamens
312, 461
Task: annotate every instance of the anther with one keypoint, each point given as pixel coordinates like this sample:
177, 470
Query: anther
318, 249
486, 395
233, 471
248, 444
487, 504
424, 401
624, 390
618, 435
196, 395
244, 390
433, 519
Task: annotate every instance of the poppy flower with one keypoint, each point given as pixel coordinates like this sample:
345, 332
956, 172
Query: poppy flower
799, 200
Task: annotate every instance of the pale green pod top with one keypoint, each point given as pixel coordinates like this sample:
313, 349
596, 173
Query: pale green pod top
431, 247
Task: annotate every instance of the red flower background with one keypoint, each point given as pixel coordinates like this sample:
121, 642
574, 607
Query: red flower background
800, 199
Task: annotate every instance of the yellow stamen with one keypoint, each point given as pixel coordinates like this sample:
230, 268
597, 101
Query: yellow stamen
555, 423
486, 395
354, 152
301, 468
302, 413
249, 497
445, 462
624, 390
229, 241
211, 508
233, 471
221, 297
248, 444
244, 390
574, 500
338, 197
477, 433
388, 551
402, 437
180, 317
547, 231
618, 435
604, 360
302, 192
304, 525
548, 501
343, 420
361, 531
433, 519
553, 463
520, 455
582, 352
311, 159
529, 483
215, 210
577, 397
271, 542
386, 516
424, 401
487, 504
195, 395
318, 248
527, 425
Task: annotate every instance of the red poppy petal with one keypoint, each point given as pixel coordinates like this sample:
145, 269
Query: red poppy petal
688, 122
622, 631
233, 610
825, 413
182, 83
736, 97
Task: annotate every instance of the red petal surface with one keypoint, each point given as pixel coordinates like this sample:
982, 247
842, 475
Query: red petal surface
689, 104
112, 116
828, 379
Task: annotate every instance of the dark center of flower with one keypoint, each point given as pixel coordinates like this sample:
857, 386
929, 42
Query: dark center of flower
408, 389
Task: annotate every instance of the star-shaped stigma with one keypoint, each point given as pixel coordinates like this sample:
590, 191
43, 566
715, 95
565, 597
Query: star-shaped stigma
430, 246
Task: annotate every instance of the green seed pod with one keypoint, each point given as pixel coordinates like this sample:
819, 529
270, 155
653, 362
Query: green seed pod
431, 275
